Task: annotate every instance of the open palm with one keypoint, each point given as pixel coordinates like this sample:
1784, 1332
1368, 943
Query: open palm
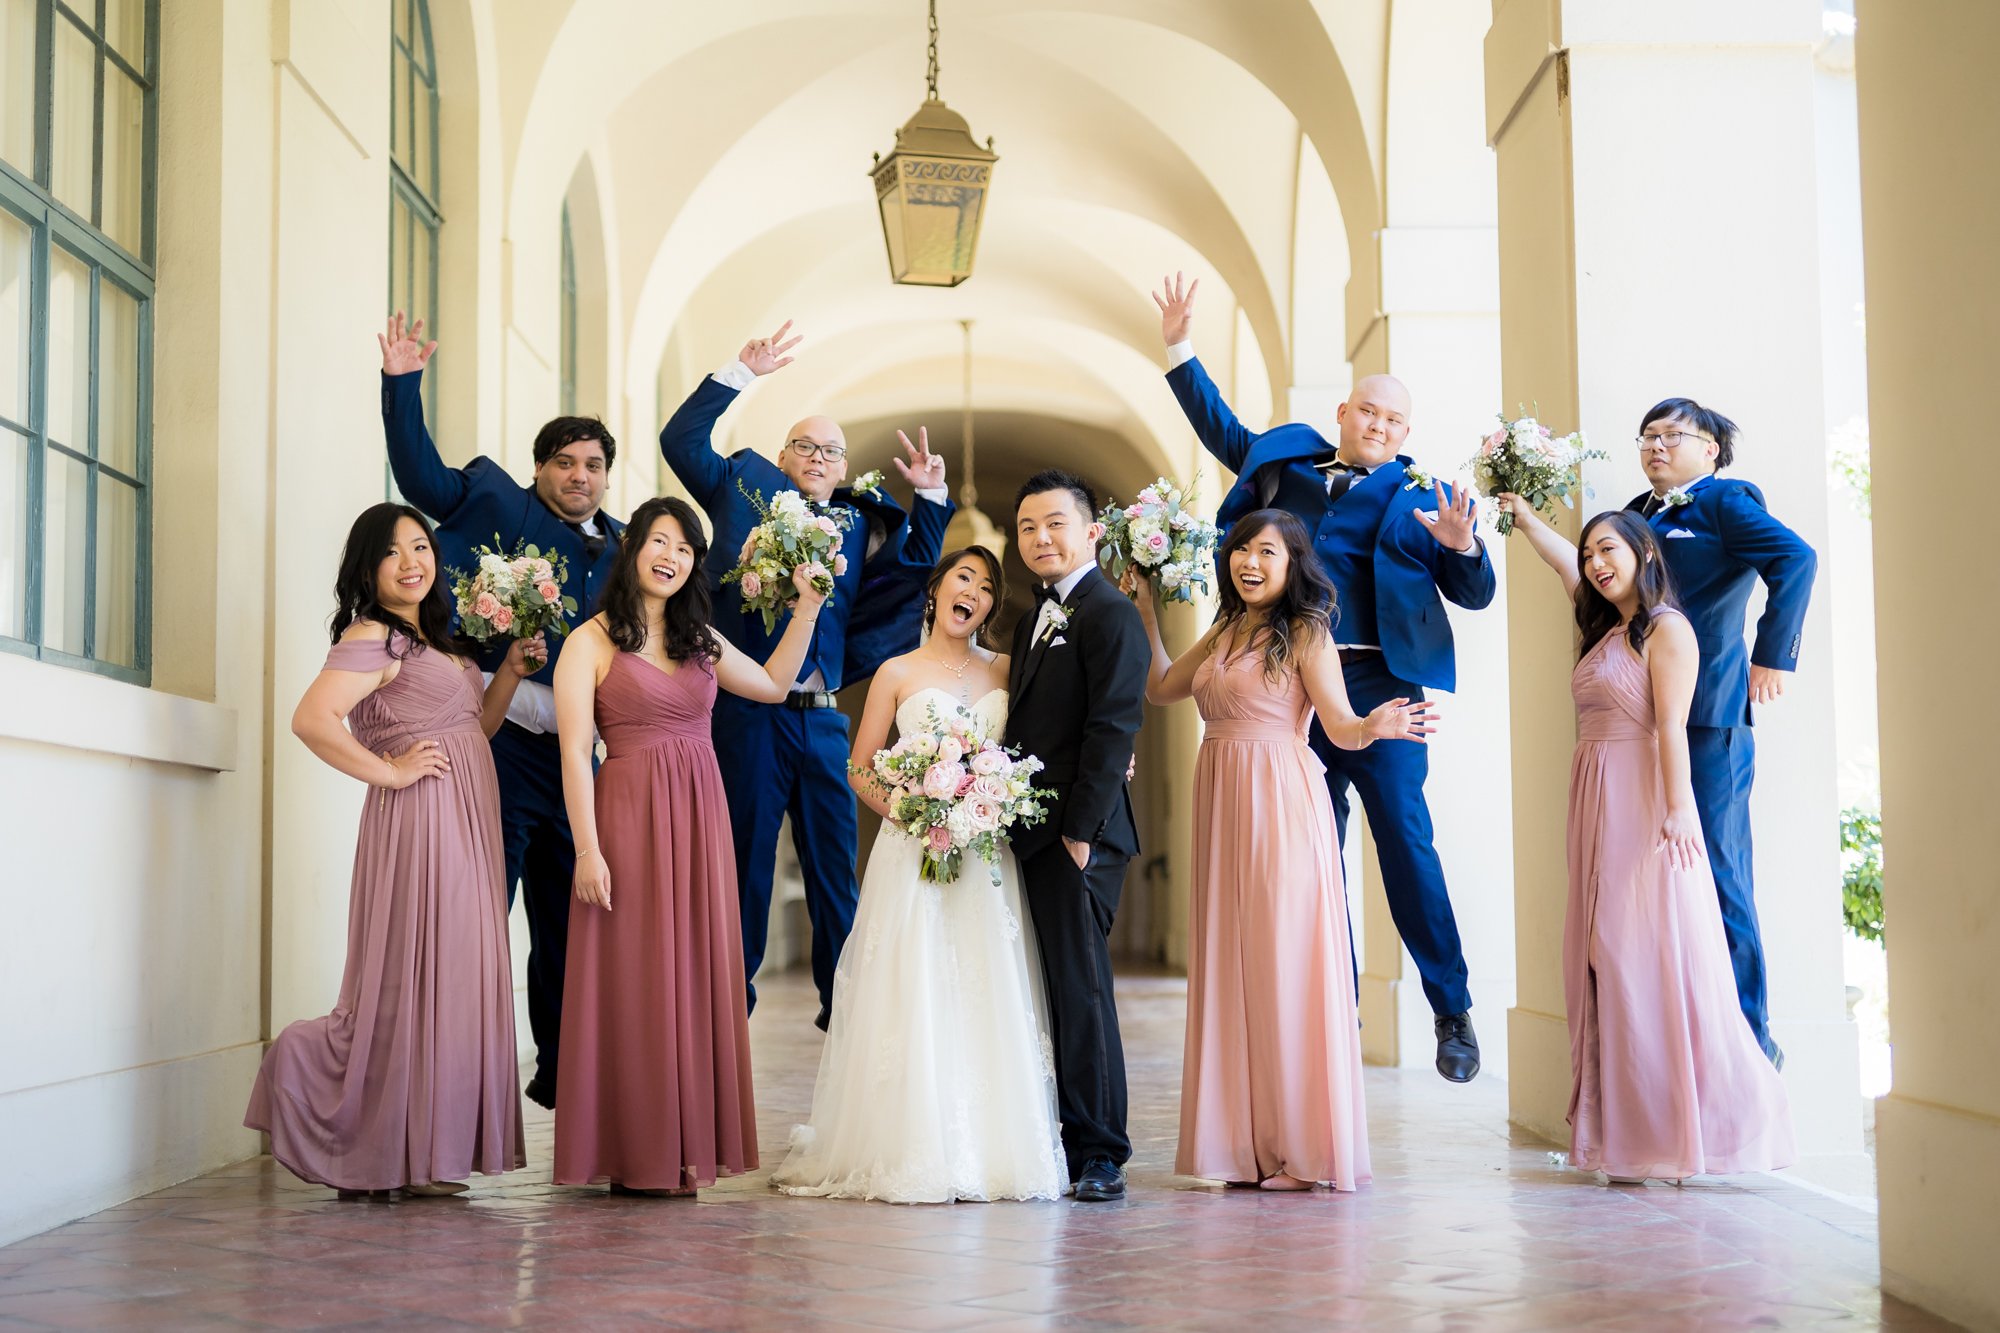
404, 349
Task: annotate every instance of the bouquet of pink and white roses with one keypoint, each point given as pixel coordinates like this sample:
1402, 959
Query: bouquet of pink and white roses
790, 532
515, 596
1161, 534
1525, 458
953, 787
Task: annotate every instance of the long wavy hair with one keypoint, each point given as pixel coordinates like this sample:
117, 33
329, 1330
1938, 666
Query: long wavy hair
688, 630
983, 634
1595, 615
1306, 607
357, 590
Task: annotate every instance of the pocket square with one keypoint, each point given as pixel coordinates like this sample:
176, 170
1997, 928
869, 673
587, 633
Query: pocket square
1678, 532
1058, 641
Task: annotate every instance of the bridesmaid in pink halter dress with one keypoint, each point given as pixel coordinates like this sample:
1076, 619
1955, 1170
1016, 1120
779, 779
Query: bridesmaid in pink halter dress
1271, 1089
1668, 1080
653, 1094
410, 1083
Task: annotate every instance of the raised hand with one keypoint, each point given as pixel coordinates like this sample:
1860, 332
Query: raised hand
922, 469
1401, 720
403, 349
1456, 520
422, 760
591, 881
764, 355
1176, 302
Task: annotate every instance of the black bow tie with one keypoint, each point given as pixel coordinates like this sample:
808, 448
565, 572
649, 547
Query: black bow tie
1045, 593
1333, 463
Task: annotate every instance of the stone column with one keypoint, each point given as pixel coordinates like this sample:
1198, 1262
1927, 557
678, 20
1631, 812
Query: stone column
1658, 236
1930, 156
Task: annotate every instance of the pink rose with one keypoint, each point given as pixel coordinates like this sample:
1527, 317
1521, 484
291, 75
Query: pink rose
984, 814
941, 780
503, 619
752, 585
827, 525
839, 565
1135, 511
486, 606
1493, 441
938, 839
1157, 543
550, 591
951, 750
520, 567
965, 784
991, 787
988, 762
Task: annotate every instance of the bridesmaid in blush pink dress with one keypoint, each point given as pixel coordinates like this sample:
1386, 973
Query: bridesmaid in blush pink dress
653, 1094
1271, 1089
1667, 1078
410, 1083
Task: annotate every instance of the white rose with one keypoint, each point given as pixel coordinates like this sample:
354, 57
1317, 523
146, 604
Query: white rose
959, 824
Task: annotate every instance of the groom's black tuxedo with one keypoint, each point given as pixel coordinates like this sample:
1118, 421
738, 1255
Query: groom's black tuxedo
1076, 696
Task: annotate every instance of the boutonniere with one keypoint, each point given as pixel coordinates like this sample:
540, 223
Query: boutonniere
1418, 479
1678, 496
869, 483
1058, 621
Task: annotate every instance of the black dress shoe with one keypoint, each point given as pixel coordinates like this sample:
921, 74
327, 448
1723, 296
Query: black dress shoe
825, 1018
541, 1090
1458, 1049
1102, 1181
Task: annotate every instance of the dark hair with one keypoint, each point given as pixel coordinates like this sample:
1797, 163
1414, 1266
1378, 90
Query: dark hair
687, 627
1306, 607
1595, 615
356, 591
944, 567
1704, 419
1055, 479
564, 431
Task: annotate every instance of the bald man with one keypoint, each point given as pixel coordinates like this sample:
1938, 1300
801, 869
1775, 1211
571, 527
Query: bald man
1393, 550
791, 758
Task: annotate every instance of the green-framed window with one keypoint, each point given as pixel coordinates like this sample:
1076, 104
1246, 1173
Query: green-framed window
79, 133
568, 318
414, 219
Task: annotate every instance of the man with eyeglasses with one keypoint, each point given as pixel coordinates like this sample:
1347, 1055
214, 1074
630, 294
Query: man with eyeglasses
1719, 539
791, 758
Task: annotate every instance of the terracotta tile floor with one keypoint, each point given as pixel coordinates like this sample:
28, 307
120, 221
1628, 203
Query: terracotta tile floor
1466, 1227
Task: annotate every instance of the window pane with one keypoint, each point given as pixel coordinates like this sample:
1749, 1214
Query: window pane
400, 16
423, 169
16, 250
399, 111
399, 255
117, 377
420, 278
117, 572
17, 84
65, 506
124, 157
125, 26
75, 116
69, 350
14, 546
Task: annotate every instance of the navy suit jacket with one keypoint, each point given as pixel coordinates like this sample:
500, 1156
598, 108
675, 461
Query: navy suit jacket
876, 611
1717, 548
1411, 568
475, 504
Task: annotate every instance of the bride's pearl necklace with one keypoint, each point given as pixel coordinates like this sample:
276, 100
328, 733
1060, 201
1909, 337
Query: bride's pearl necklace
958, 671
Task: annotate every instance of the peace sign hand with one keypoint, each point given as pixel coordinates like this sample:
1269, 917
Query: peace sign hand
924, 469
1456, 520
764, 355
403, 350
1176, 302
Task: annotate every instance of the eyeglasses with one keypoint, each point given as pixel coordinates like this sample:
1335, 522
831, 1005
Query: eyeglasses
1670, 438
832, 453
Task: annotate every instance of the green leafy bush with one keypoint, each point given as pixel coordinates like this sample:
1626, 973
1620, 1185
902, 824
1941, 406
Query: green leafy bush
1861, 871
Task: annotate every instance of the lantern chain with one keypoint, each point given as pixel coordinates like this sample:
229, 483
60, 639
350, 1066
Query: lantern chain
932, 74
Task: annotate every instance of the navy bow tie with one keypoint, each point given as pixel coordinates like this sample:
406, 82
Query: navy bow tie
1045, 593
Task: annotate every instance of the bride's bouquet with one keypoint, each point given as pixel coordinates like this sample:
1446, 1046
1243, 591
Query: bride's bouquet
1161, 534
513, 595
789, 533
954, 788
1525, 458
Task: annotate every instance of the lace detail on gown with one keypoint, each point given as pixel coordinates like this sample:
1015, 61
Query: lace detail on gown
937, 1080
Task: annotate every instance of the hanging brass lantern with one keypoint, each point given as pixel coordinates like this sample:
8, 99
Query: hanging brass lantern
931, 190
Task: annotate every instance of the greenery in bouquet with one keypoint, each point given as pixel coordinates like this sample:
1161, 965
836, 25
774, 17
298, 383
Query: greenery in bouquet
1525, 458
791, 531
1161, 534
514, 595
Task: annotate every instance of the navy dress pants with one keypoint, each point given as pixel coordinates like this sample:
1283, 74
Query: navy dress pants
1722, 762
541, 859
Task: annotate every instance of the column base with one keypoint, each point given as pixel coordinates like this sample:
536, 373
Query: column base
1822, 1074
1938, 1170
1538, 1076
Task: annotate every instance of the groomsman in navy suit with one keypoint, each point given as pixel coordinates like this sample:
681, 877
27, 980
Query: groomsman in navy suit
1391, 546
792, 757
1719, 539
560, 512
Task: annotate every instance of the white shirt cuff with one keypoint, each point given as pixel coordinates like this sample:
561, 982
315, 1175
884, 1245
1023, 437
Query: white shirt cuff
937, 495
1180, 353
736, 375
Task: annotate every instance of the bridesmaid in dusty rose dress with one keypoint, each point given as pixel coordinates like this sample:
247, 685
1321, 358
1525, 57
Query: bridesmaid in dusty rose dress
1271, 1077
653, 1094
1668, 1080
410, 1083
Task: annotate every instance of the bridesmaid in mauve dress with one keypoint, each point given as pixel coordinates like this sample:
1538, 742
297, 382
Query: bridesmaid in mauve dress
1271, 1077
410, 1083
653, 1094
1668, 1080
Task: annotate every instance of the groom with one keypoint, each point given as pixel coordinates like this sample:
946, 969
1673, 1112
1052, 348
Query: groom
1076, 691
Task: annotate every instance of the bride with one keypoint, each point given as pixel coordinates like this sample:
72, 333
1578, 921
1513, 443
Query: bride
937, 1081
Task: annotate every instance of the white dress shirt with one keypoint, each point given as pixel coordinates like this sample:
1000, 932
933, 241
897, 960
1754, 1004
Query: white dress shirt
1064, 587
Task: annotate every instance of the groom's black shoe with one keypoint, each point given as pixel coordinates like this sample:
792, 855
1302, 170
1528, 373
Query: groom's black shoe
1458, 1049
1101, 1181
825, 1018
541, 1090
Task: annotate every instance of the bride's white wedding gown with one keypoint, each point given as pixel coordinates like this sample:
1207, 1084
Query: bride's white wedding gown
937, 1080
